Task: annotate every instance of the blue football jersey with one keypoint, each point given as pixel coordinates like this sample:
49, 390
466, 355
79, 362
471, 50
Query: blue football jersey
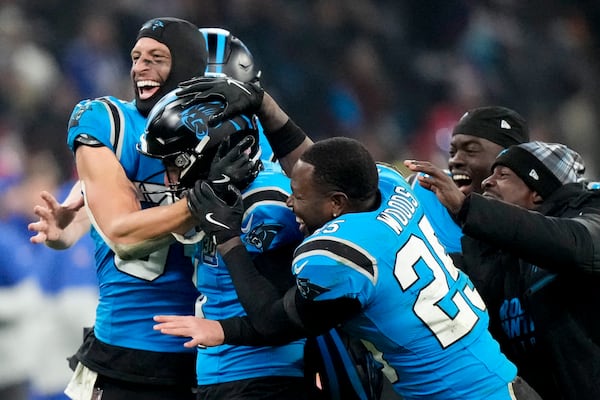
421, 312
132, 292
267, 224
447, 231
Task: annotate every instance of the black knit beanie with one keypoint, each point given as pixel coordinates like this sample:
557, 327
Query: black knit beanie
500, 125
188, 54
544, 167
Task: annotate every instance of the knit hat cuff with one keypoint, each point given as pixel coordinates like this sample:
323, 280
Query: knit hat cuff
499, 125
530, 169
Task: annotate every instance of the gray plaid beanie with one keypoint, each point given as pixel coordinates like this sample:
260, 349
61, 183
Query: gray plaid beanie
544, 167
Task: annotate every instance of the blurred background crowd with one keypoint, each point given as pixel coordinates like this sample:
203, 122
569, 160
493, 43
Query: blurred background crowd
394, 74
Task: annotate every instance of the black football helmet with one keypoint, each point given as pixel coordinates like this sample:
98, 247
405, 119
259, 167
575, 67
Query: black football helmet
177, 132
229, 56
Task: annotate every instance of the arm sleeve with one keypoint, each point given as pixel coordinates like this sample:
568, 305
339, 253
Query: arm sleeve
272, 318
553, 243
285, 139
91, 121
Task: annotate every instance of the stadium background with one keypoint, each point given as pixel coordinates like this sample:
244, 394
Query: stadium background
395, 74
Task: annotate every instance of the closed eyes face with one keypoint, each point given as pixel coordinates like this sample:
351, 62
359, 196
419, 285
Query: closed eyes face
311, 206
150, 66
505, 185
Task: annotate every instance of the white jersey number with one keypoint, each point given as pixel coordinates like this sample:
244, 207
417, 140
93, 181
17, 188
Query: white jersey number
149, 268
447, 327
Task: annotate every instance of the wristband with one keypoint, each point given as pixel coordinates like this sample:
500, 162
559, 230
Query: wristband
285, 139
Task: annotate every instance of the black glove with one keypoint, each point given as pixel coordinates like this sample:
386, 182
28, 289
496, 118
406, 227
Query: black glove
218, 217
239, 97
233, 166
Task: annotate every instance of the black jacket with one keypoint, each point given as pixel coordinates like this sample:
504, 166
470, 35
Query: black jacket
539, 273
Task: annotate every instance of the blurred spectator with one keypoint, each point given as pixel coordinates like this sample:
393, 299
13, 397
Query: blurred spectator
53, 293
95, 61
386, 72
27, 70
20, 297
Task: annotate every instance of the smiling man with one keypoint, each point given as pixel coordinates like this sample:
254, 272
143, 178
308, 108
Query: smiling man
373, 266
531, 247
477, 138
139, 269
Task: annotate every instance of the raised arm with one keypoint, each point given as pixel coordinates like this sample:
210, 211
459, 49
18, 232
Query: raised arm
272, 318
285, 137
554, 243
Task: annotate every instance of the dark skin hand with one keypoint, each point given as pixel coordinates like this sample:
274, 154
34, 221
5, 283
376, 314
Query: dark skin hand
439, 183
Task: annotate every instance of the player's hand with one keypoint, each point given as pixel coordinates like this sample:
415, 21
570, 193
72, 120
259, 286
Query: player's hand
219, 217
54, 218
439, 182
239, 97
233, 166
204, 332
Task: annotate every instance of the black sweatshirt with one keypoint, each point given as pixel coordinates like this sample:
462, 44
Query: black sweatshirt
539, 273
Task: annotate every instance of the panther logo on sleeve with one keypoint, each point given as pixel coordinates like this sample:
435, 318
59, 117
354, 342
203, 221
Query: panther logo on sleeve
309, 290
261, 236
81, 108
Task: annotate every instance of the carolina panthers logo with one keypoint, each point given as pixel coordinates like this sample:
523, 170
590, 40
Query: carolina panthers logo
308, 290
194, 117
154, 25
157, 25
262, 236
79, 110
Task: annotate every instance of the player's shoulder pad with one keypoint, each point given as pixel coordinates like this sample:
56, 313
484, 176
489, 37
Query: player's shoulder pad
102, 116
339, 252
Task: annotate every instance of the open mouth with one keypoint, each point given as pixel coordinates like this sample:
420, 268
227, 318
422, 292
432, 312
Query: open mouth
302, 226
147, 89
462, 180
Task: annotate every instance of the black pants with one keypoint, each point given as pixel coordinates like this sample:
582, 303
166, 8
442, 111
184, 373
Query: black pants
267, 388
523, 391
112, 389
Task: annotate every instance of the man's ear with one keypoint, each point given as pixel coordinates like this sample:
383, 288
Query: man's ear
536, 198
339, 203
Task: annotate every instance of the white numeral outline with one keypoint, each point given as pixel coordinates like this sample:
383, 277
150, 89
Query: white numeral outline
148, 269
446, 328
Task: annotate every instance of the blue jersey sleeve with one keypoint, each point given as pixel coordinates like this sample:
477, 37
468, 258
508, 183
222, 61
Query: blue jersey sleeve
268, 223
329, 268
91, 117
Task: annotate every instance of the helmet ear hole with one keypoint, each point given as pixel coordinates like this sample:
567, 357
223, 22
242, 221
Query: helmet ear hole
182, 160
